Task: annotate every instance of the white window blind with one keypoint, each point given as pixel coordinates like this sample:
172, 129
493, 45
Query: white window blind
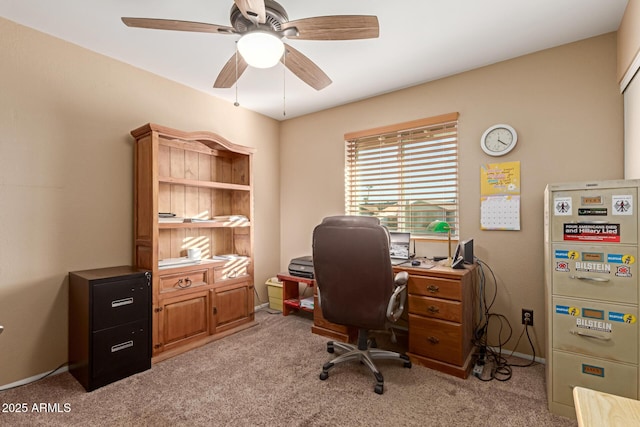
405, 174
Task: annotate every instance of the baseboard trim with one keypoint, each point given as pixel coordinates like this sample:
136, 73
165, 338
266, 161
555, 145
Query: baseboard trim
540, 360
34, 378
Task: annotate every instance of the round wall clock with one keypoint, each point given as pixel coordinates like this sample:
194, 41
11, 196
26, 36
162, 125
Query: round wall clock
498, 140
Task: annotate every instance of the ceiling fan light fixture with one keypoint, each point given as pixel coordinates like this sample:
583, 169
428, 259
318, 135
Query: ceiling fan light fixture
261, 49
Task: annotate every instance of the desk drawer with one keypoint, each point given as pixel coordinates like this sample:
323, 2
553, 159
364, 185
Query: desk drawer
436, 339
436, 307
435, 287
188, 280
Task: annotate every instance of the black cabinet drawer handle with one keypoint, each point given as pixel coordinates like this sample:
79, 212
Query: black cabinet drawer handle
433, 309
121, 302
433, 340
433, 289
121, 346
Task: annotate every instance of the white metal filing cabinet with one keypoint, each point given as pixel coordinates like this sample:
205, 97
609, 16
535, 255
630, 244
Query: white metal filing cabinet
591, 292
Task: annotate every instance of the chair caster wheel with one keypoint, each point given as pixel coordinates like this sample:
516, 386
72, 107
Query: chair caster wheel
330, 348
407, 364
324, 375
379, 389
373, 343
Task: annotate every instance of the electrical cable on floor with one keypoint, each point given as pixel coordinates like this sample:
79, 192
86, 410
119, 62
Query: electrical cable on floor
490, 356
37, 379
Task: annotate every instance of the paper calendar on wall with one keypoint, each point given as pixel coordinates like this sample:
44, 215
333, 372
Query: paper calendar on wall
500, 196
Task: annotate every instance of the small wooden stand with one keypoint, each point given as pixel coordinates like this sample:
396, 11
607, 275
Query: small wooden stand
291, 302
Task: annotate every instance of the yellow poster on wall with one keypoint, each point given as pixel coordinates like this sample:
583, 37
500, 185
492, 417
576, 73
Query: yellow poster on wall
500, 178
500, 196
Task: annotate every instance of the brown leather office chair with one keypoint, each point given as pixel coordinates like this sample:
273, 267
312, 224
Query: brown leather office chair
356, 286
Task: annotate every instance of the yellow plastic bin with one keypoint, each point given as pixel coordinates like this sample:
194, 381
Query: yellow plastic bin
274, 290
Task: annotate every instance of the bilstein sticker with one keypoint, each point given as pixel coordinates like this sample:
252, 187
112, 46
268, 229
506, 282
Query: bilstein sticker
593, 325
565, 309
622, 317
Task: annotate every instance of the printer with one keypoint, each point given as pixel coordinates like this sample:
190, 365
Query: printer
301, 267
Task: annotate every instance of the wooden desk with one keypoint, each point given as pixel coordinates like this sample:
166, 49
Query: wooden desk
441, 304
598, 409
321, 326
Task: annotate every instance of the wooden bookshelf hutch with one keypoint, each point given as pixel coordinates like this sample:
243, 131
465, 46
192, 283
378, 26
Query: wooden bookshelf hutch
202, 185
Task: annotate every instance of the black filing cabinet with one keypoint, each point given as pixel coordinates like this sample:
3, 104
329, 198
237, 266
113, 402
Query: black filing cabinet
109, 324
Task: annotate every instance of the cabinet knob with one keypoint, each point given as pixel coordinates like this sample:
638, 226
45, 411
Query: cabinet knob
433, 340
433, 289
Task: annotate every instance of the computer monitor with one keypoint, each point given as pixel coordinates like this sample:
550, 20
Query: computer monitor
399, 246
467, 251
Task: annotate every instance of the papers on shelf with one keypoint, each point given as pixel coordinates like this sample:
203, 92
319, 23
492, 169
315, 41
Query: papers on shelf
173, 262
227, 256
307, 303
170, 219
226, 219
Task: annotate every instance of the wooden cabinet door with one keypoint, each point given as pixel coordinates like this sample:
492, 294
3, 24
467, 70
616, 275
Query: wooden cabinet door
183, 318
232, 305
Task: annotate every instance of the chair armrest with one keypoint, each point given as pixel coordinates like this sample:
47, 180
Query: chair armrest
399, 296
401, 278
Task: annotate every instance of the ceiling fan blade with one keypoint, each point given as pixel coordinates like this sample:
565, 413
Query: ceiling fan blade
304, 68
228, 75
253, 10
340, 27
172, 24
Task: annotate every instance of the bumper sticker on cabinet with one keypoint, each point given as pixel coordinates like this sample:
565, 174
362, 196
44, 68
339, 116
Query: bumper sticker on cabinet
621, 259
592, 232
622, 205
593, 325
622, 318
565, 309
562, 206
566, 254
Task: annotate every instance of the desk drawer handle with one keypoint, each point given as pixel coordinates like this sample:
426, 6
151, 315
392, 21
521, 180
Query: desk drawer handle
187, 282
433, 289
121, 302
121, 346
433, 309
433, 340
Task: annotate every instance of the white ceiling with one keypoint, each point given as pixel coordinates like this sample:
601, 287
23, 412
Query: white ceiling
420, 41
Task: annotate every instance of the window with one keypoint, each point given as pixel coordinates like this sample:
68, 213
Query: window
405, 174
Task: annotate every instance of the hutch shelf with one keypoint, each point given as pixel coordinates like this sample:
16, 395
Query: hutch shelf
194, 190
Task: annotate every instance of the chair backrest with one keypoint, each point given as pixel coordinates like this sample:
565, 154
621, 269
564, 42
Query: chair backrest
353, 270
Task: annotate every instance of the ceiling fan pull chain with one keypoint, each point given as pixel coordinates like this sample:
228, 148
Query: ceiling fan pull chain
237, 104
284, 84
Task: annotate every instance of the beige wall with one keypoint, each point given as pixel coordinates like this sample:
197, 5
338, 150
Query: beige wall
66, 164
567, 109
628, 38
628, 51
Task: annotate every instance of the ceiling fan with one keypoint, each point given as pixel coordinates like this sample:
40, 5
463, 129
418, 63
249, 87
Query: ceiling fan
268, 19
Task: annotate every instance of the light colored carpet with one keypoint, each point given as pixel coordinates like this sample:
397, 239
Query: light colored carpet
268, 376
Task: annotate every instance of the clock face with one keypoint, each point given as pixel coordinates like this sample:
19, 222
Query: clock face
498, 140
